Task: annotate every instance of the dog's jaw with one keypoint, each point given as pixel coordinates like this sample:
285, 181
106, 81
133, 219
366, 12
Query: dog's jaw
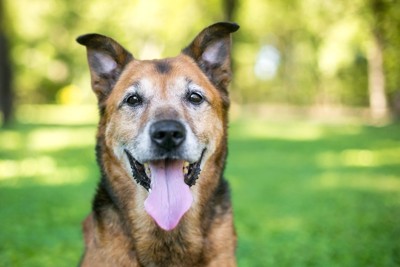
168, 182
138, 172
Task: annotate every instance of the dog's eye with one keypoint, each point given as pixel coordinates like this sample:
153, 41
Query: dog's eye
195, 98
134, 100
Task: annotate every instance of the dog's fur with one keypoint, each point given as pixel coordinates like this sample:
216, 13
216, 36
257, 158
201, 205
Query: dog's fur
119, 232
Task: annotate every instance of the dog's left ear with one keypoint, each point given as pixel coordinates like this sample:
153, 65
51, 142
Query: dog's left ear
211, 51
106, 59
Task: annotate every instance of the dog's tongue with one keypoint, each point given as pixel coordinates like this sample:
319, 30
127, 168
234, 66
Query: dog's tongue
170, 196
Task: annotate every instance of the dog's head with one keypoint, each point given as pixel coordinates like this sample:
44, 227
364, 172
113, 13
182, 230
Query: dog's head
163, 119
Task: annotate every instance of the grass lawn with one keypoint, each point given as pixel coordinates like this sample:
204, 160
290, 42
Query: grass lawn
305, 194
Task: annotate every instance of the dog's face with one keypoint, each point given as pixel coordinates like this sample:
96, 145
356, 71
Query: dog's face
164, 109
163, 119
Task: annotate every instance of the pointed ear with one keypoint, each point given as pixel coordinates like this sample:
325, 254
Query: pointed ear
211, 51
106, 60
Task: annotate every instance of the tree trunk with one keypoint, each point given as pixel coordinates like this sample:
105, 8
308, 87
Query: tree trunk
229, 9
376, 79
376, 74
6, 96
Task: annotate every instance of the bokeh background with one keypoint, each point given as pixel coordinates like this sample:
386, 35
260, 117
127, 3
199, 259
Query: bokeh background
314, 159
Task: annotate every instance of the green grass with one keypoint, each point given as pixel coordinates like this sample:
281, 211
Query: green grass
305, 194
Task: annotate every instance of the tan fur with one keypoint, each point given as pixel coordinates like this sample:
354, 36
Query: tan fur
119, 232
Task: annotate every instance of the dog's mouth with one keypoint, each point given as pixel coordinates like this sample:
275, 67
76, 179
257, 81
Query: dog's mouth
142, 172
168, 182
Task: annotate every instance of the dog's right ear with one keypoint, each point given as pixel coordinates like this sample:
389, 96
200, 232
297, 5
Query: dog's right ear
106, 59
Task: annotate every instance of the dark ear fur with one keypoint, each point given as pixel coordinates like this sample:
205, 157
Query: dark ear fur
211, 51
106, 60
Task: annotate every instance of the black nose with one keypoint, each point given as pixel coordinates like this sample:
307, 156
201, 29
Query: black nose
168, 134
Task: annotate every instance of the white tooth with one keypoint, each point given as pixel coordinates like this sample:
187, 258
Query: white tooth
185, 170
147, 170
186, 164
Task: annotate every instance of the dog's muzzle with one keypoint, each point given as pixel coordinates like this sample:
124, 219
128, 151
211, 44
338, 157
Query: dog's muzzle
168, 174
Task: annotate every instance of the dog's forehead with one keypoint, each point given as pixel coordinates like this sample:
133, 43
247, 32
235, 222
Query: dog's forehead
162, 75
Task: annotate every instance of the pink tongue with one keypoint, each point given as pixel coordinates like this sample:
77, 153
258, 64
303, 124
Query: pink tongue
170, 197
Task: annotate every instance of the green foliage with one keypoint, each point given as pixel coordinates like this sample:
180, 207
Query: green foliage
47, 58
322, 44
305, 194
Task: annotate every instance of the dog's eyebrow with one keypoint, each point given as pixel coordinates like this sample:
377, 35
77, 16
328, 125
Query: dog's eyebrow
136, 85
188, 80
190, 84
133, 88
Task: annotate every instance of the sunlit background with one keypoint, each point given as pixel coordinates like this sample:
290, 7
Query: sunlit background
314, 150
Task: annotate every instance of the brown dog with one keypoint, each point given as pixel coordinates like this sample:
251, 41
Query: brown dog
161, 147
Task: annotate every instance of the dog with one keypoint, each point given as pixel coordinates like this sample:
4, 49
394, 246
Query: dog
161, 148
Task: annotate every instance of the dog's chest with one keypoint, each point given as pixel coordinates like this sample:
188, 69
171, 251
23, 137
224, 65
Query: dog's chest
159, 248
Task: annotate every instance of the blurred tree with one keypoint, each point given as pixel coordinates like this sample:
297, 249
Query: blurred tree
392, 55
330, 51
6, 95
230, 8
376, 74
292, 51
51, 66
